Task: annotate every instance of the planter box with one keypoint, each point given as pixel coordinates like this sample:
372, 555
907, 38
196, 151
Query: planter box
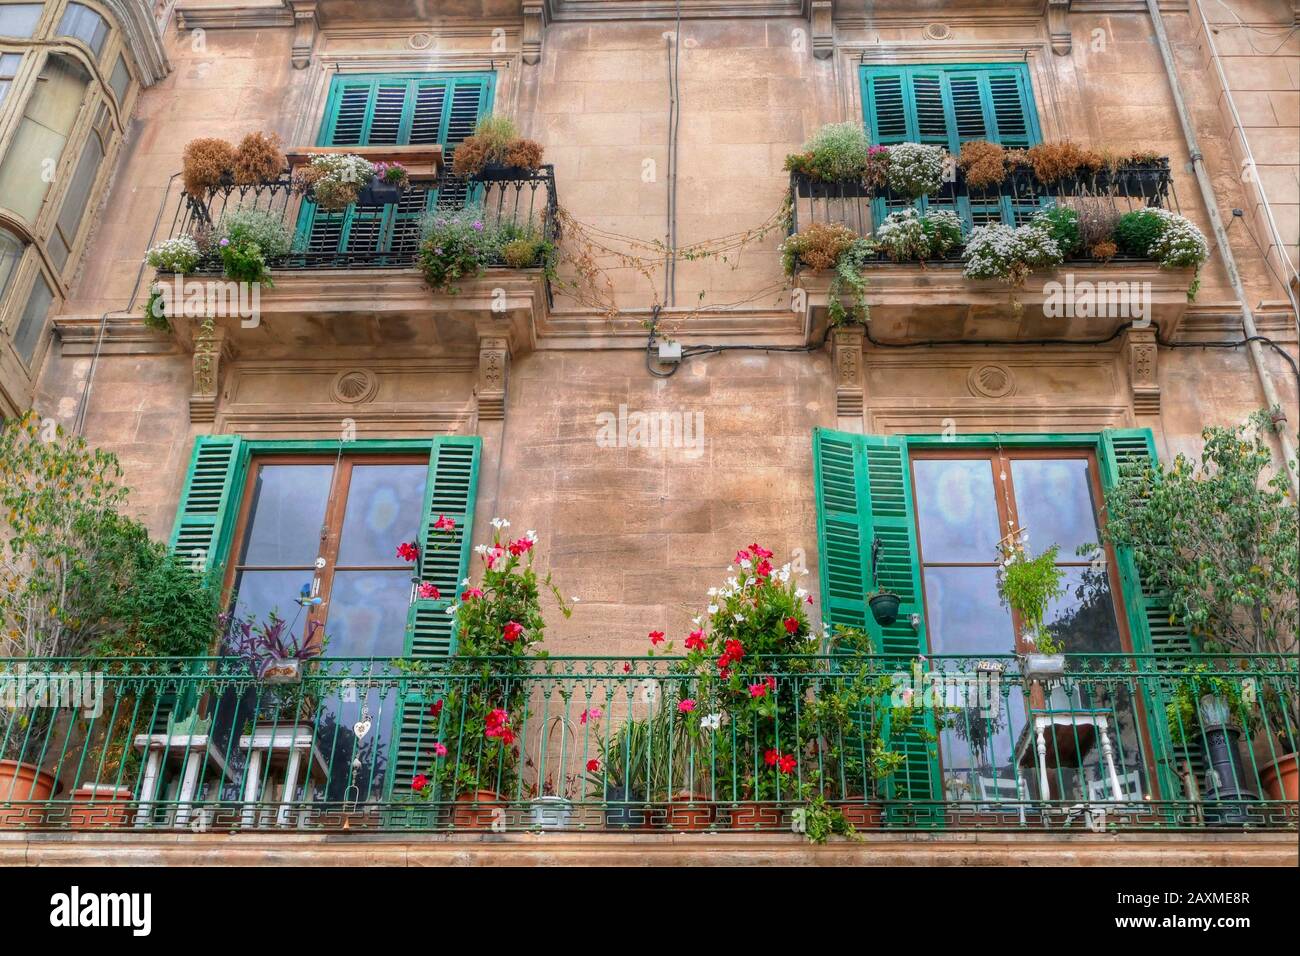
376, 194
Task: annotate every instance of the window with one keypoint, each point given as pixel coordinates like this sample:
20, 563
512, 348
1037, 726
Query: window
51, 113
11, 252
19, 19
283, 515
949, 104
368, 110
31, 326
120, 81
9, 63
76, 200
86, 25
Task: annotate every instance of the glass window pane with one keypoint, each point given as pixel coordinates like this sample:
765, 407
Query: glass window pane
86, 25
8, 70
367, 613
32, 324
38, 142
285, 520
1054, 503
78, 196
383, 510
956, 510
964, 614
258, 593
19, 19
121, 79
11, 250
1083, 619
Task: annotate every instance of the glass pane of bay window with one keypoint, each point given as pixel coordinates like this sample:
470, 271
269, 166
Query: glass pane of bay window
86, 25
19, 19
77, 199
37, 146
32, 324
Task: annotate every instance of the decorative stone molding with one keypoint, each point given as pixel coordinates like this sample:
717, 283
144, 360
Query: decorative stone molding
846, 344
534, 31
142, 34
493, 371
211, 349
1058, 26
991, 381
305, 26
233, 16
821, 27
354, 386
1142, 367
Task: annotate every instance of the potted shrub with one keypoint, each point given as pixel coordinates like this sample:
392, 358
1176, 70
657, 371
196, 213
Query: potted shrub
838, 161
248, 240
909, 236
178, 256
1219, 536
1027, 586
334, 180
258, 159
1170, 239
1205, 712
385, 187
916, 169
115, 767
619, 777
457, 244
272, 650
206, 164
1009, 255
833, 246
496, 151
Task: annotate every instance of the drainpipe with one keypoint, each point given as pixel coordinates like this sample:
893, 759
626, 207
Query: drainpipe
1225, 250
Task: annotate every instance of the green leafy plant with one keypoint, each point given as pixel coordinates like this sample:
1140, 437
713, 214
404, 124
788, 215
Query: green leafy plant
1062, 224
838, 152
849, 279
457, 244
247, 238
1028, 586
1182, 705
1137, 231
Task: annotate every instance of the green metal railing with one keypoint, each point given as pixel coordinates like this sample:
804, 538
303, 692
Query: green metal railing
616, 744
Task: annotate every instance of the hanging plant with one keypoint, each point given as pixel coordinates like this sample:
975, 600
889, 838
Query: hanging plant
334, 180
916, 169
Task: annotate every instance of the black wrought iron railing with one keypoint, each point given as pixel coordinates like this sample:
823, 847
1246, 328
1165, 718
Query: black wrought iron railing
369, 237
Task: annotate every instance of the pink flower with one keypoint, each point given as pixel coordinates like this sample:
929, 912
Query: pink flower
444, 523
440, 750
408, 551
429, 592
758, 552
791, 625
695, 641
758, 690
593, 765
521, 546
685, 706
494, 555
512, 631
741, 557
470, 593
594, 713
808, 599
419, 782
656, 637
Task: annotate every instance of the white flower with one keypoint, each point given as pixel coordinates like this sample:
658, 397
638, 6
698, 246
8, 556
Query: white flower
800, 593
746, 564
738, 617
500, 523
713, 609
480, 549
802, 572
452, 609
711, 722
531, 535
712, 592
576, 599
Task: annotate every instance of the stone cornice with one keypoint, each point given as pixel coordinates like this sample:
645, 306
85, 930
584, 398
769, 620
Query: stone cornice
233, 16
562, 10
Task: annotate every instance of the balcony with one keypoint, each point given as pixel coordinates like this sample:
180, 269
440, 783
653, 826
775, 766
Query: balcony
913, 302
1192, 743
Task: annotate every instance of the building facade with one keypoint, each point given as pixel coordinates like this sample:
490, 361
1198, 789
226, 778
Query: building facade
888, 453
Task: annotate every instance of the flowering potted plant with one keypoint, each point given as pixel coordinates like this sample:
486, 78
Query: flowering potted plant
1027, 586
499, 622
334, 180
386, 186
457, 244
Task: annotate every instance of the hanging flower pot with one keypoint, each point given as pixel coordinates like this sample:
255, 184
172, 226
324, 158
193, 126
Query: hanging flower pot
378, 193
884, 607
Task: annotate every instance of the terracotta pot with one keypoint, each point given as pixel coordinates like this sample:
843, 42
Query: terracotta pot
99, 807
1281, 778
20, 782
861, 815
689, 811
476, 810
757, 816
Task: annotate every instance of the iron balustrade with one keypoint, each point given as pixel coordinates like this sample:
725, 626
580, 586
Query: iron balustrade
607, 744
366, 237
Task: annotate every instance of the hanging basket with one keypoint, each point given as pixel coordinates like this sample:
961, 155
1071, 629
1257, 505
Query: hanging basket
884, 607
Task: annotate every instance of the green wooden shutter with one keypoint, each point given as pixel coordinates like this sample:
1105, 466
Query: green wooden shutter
1128, 454
863, 493
202, 528
430, 631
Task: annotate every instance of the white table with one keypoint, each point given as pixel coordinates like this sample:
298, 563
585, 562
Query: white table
1072, 733
195, 755
288, 747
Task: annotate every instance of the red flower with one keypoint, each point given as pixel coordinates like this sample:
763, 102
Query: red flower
741, 557
758, 552
656, 637
771, 757
419, 782
593, 765
695, 641
436, 708
521, 546
758, 690
496, 718
470, 593
764, 568
771, 683
444, 523
732, 651
791, 625
809, 599
685, 706
512, 631
627, 668
408, 551
788, 763
429, 592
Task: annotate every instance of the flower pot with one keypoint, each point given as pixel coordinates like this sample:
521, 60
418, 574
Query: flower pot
99, 807
1281, 778
477, 810
689, 811
378, 193
495, 171
550, 813
625, 809
757, 816
1043, 666
21, 782
884, 607
861, 814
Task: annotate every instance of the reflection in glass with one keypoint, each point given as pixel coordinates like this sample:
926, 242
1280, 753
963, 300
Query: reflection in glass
1054, 503
964, 614
367, 613
258, 593
384, 504
956, 510
287, 513
1083, 618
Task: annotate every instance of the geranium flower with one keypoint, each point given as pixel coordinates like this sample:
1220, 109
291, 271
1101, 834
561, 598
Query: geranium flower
656, 637
419, 782
685, 706
408, 551
771, 757
788, 763
470, 593
440, 749
512, 630
593, 765
592, 713
436, 708
758, 552
695, 641
764, 569
429, 592
791, 625
444, 523
758, 690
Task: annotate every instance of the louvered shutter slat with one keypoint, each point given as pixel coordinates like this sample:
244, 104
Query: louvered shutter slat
386, 121
1010, 110
968, 108
887, 112
349, 117
927, 105
426, 124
